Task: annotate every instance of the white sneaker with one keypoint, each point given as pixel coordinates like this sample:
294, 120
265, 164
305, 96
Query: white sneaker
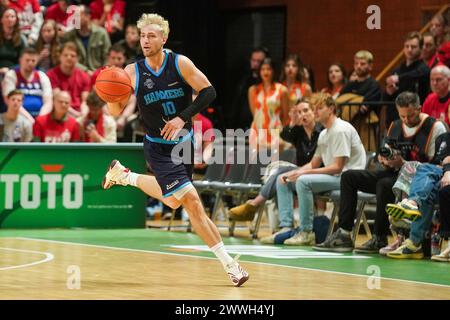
444, 256
237, 275
302, 239
271, 239
116, 174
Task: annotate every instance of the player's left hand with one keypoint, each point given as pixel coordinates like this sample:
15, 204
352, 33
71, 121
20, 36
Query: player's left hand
171, 129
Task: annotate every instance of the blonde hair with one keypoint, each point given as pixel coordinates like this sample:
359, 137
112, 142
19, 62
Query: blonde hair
322, 98
153, 18
364, 54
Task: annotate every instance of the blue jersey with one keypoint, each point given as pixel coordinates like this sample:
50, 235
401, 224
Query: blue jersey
162, 95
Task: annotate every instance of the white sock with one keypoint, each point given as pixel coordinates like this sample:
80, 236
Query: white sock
222, 254
132, 179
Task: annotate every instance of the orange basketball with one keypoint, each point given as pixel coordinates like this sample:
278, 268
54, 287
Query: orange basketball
113, 85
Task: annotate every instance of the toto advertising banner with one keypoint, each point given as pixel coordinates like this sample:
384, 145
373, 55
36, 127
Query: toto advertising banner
59, 186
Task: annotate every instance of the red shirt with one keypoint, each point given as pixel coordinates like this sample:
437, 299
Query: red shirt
20, 5
54, 12
77, 83
49, 130
95, 75
117, 12
437, 108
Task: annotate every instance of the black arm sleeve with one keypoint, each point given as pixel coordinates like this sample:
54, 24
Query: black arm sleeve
204, 98
446, 167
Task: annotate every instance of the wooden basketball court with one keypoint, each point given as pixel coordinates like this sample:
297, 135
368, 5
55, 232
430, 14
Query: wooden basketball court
111, 264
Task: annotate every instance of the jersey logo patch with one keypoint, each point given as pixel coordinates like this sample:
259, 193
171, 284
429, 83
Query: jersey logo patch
149, 84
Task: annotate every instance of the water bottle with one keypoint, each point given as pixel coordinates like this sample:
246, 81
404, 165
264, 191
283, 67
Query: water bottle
435, 238
435, 244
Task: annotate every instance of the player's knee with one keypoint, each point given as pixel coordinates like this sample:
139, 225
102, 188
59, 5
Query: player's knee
192, 201
172, 203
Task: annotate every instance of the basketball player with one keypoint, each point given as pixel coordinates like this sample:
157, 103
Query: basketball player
163, 84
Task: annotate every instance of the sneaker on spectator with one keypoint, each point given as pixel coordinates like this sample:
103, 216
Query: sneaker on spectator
403, 210
408, 250
372, 246
244, 212
302, 239
337, 242
444, 256
271, 239
393, 246
116, 174
237, 275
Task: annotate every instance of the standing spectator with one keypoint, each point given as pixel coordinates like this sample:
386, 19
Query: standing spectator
364, 88
336, 79
269, 105
339, 148
436, 104
48, 45
11, 40
292, 78
109, 14
30, 18
97, 126
68, 77
240, 116
413, 75
131, 44
439, 29
91, 40
429, 50
14, 127
414, 127
34, 84
57, 126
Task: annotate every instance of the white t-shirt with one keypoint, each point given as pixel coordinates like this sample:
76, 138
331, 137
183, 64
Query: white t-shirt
20, 130
341, 140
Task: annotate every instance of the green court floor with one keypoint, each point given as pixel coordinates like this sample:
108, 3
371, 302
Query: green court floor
155, 240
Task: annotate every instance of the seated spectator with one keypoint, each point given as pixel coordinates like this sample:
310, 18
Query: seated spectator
116, 58
57, 126
439, 28
308, 76
292, 79
48, 46
97, 126
14, 127
11, 40
363, 89
413, 75
35, 85
337, 79
68, 77
339, 149
30, 18
303, 132
444, 215
109, 14
92, 41
414, 127
131, 44
429, 50
419, 205
437, 102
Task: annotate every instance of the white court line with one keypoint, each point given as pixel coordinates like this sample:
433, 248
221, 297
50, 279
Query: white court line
48, 257
252, 262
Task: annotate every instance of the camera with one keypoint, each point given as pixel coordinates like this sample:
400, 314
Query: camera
392, 147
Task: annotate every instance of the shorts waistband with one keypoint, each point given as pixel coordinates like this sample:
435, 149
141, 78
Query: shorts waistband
161, 140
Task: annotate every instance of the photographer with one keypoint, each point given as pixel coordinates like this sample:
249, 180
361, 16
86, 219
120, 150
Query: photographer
423, 193
414, 127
